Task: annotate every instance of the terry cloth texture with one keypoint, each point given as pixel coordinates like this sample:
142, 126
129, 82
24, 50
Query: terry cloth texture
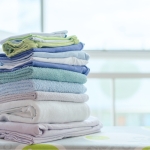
23, 36
29, 111
43, 74
80, 69
27, 86
67, 61
13, 49
40, 133
45, 96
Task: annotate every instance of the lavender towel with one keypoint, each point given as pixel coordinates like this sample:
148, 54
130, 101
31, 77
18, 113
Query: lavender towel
40, 133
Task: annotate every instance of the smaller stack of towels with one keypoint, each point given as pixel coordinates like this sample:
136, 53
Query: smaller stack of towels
42, 96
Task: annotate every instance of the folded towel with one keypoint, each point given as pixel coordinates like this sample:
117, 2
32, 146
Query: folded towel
77, 47
43, 74
28, 54
40, 133
13, 49
45, 96
27, 86
77, 54
29, 111
67, 61
80, 69
23, 36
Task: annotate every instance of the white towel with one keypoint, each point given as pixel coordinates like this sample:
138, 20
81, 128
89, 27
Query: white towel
29, 111
45, 96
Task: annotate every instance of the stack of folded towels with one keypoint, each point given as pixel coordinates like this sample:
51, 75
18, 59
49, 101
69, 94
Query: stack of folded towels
41, 88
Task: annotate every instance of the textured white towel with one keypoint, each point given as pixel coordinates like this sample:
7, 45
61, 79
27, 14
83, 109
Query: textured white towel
29, 111
45, 96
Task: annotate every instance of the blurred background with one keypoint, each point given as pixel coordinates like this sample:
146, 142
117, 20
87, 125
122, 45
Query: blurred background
116, 34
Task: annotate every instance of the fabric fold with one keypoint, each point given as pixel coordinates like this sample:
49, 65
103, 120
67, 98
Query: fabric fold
29, 111
39, 133
45, 96
43, 74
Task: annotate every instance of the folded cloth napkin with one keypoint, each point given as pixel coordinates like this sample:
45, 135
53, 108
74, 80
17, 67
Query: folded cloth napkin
26, 86
13, 49
23, 36
43, 74
67, 61
29, 54
80, 69
40, 133
45, 96
30, 111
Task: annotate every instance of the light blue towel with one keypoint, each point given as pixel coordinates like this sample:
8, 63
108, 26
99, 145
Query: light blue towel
26, 86
4, 60
77, 54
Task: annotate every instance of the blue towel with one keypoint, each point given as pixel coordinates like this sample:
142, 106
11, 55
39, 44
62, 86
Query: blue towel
80, 69
76, 47
26, 86
18, 56
30, 53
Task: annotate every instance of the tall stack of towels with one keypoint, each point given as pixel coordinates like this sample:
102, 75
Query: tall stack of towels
41, 88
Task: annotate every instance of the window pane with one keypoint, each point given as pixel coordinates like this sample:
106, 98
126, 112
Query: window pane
99, 102
132, 102
19, 16
102, 24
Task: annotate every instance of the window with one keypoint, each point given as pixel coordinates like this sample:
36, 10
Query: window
21, 16
102, 24
116, 34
